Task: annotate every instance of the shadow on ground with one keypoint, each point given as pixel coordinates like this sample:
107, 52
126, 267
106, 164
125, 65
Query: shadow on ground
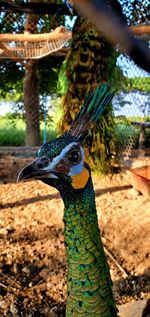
57, 196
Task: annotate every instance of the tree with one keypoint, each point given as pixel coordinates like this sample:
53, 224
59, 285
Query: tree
31, 91
40, 76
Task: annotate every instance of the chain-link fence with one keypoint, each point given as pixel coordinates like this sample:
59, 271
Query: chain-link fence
132, 109
131, 105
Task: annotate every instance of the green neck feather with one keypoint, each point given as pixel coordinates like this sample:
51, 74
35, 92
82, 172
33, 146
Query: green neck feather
89, 282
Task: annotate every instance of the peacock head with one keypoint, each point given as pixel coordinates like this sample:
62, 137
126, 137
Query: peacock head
61, 162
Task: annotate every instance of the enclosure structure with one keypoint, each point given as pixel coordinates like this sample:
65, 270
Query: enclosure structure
131, 103
31, 233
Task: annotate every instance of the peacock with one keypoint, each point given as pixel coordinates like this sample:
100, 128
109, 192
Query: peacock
61, 163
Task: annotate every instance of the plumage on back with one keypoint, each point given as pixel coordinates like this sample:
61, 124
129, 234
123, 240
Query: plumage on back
61, 163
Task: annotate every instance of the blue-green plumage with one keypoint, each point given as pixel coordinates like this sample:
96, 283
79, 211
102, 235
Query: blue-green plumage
53, 148
61, 163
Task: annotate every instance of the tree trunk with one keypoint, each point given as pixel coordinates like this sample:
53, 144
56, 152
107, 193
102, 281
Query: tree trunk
31, 91
31, 103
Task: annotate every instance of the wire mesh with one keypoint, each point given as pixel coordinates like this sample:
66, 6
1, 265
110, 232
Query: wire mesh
19, 40
131, 105
132, 109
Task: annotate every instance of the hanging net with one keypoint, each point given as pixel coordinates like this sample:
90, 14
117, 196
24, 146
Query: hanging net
33, 46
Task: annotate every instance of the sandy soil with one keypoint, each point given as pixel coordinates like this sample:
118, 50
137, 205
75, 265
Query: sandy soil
32, 253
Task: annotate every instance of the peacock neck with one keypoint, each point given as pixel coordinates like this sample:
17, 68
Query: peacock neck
88, 279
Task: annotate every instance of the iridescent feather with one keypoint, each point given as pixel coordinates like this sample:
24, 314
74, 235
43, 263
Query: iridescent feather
61, 164
93, 107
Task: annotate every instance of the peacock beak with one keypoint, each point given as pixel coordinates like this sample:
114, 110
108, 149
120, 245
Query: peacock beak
39, 169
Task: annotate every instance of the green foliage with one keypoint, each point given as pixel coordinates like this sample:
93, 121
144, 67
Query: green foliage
124, 131
138, 83
62, 84
12, 86
113, 72
56, 104
11, 75
49, 68
12, 72
12, 131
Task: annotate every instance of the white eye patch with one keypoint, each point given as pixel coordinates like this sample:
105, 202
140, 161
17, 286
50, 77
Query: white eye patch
76, 169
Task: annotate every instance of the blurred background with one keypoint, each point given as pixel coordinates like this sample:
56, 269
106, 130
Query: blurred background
40, 93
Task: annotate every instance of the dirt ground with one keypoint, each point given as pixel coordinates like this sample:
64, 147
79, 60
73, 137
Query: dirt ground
32, 253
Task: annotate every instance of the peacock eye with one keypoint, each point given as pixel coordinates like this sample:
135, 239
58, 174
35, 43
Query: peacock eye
74, 156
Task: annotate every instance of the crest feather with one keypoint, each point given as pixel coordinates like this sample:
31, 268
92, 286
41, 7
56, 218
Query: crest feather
93, 107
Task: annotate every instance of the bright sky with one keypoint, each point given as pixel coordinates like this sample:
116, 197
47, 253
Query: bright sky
5, 107
130, 69
137, 105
